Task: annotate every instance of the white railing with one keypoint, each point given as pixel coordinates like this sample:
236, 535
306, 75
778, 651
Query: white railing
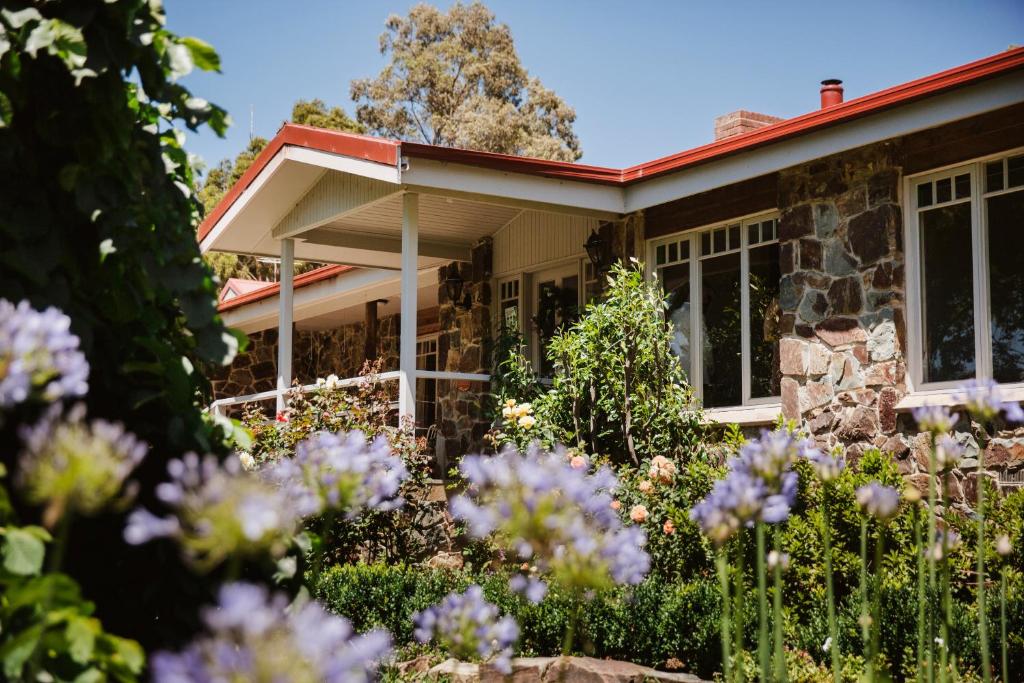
220, 405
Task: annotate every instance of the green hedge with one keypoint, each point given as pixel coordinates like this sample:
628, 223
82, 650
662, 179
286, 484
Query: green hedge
648, 624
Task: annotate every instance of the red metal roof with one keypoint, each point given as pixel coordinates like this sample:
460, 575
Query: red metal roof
274, 288
386, 151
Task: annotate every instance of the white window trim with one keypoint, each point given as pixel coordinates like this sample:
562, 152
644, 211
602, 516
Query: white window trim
752, 410
942, 393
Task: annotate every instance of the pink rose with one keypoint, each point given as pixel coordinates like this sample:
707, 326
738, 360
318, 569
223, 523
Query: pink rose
578, 462
645, 486
638, 514
668, 527
616, 505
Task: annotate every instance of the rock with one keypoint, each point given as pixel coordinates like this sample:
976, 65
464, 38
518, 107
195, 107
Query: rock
882, 341
840, 331
869, 233
968, 464
789, 296
858, 424
446, 560
887, 399
818, 357
793, 356
826, 219
882, 277
419, 665
810, 254
920, 482
786, 261
816, 394
790, 390
813, 306
837, 261
796, 222
970, 484
1004, 451
845, 296
853, 378
556, 670
899, 448
886, 374
820, 422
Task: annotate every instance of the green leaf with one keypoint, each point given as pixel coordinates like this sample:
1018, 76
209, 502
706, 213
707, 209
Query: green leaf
203, 54
81, 634
16, 651
23, 552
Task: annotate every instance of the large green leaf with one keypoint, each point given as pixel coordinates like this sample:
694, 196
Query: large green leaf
23, 552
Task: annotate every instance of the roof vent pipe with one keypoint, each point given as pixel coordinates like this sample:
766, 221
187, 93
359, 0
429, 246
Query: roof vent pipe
831, 92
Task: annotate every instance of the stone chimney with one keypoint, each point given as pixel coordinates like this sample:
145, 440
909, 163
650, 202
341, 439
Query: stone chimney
742, 121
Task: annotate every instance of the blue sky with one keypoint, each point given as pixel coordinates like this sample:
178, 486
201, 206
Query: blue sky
646, 78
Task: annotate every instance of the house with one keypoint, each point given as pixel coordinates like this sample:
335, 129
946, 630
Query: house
840, 267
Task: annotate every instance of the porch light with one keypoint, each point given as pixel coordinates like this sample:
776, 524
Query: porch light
453, 286
595, 250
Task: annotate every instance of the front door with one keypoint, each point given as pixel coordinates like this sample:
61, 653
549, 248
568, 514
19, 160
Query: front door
556, 303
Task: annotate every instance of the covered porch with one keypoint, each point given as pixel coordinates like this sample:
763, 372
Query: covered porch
410, 242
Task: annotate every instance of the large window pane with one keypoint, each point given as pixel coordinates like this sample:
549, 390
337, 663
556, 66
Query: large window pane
722, 367
947, 293
676, 282
1005, 247
765, 374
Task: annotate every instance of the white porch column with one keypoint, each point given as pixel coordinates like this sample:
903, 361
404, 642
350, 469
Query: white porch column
284, 321
407, 334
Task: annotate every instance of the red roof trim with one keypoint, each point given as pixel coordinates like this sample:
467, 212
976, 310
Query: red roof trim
387, 151
378, 150
272, 290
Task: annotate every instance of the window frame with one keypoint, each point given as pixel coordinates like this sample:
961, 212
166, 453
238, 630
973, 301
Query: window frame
979, 270
695, 373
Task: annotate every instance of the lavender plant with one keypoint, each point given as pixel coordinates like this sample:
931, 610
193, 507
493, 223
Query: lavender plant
39, 357
828, 468
255, 636
469, 627
881, 503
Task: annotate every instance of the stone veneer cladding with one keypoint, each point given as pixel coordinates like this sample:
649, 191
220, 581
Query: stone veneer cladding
843, 316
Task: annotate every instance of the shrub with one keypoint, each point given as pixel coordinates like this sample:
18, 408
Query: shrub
618, 390
407, 534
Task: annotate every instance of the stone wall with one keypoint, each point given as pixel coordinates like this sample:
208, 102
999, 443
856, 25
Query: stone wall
464, 345
842, 298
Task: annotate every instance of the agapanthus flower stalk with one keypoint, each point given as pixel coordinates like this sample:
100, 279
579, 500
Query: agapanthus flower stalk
340, 473
219, 510
541, 509
71, 465
39, 357
255, 636
469, 628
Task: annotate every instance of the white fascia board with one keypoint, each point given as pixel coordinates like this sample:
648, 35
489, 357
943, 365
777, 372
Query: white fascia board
347, 289
512, 189
337, 162
930, 112
243, 200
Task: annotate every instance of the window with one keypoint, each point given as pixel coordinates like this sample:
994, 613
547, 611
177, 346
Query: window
509, 304
967, 287
426, 387
722, 285
555, 304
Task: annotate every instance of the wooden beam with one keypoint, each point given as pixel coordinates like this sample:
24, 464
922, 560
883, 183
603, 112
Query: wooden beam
384, 243
370, 348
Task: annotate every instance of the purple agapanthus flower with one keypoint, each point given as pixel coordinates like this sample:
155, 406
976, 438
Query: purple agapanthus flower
983, 400
469, 627
532, 588
935, 419
218, 509
254, 636
878, 500
760, 486
340, 472
74, 464
542, 509
826, 465
38, 353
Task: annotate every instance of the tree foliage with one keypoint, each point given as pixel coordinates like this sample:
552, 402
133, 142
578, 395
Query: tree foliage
224, 175
99, 221
455, 79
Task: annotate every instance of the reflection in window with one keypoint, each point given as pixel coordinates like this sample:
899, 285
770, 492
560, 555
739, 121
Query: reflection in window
676, 282
722, 362
1006, 245
947, 293
765, 373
